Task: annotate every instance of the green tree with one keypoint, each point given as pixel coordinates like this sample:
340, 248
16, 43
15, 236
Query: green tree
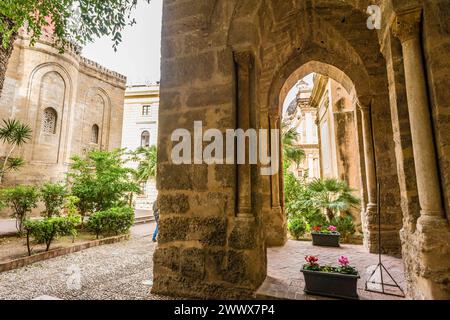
53, 196
101, 180
332, 196
14, 134
21, 199
76, 21
147, 162
292, 154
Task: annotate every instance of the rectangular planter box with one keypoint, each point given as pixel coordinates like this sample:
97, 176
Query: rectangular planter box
329, 284
325, 240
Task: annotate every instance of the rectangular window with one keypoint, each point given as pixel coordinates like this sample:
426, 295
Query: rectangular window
146, 110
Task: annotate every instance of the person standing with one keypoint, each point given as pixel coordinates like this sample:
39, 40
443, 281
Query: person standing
156, 215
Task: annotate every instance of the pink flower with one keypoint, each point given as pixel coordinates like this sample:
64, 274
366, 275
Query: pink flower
311, 259
343, 261
332, 228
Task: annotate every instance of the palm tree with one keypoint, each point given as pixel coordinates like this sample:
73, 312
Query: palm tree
332, 195
147, 164
147, 158
14, 134
291, 152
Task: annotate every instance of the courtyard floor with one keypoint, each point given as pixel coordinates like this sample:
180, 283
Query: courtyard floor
285, 281
124, 270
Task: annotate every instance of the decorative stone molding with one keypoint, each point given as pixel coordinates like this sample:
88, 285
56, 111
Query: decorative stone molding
406, 25
364, 103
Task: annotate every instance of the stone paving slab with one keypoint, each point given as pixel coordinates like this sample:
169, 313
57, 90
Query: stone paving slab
122, 271
285, 281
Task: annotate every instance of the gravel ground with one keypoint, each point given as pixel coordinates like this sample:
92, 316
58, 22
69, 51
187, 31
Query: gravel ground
115, 271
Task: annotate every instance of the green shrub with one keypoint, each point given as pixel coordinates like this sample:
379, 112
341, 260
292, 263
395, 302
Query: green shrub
345, 226
71, 205
53, 196
297, 227
21, 199
46, 230
101, 180
115, 221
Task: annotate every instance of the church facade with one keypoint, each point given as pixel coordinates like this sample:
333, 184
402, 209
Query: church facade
72, 105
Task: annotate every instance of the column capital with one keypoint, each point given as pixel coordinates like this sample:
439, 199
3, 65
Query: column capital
243, 58
274, 116
406, 25
364, 103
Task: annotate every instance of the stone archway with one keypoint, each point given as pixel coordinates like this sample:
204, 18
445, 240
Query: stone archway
212, 227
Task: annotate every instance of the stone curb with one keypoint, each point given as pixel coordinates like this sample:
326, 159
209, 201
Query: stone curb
22, 262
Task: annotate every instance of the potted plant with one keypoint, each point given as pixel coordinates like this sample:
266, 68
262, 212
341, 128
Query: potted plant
336, 282
327, 237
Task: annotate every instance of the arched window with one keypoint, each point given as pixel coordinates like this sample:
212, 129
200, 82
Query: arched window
145, 139
49, 121
94, 134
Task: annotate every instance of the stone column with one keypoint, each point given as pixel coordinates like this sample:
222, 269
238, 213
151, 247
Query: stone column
245, 63
369, 155
275, 179
407, 29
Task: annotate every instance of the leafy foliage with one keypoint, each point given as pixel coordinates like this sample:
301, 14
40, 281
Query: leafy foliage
297, 227
332, 195
78, 21
101, 181
21, 199
70, 206
291, 152
46, 230
14, 134
343, 268
53, 196
147, 162
113, 221
345, 226
307, 201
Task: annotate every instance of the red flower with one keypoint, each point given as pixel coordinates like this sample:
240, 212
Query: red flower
311, 259
317, 228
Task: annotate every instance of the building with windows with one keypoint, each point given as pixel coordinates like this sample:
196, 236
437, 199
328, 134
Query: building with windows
140, 129
338, 134
302, 116
72, 105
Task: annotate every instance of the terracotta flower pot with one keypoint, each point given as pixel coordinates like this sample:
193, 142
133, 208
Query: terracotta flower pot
325, 240
331, 284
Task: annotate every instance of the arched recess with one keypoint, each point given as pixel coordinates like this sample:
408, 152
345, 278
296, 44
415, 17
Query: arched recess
291, 39
303, 64
96, 111
50, 86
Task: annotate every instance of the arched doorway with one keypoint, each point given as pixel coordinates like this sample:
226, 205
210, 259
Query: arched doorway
217, 220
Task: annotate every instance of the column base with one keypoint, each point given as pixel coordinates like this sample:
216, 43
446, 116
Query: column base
275, 226
426, 255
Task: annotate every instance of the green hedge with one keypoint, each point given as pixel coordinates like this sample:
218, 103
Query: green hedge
46, 230
114, 221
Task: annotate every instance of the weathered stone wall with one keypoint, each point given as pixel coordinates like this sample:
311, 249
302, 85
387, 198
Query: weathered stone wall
204, 249
210, 247
80, 92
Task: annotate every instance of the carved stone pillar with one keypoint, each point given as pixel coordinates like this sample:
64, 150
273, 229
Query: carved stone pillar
369, 155
275, 178
427, 252
245, 65
407, 29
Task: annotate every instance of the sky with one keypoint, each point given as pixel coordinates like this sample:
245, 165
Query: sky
138, 56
